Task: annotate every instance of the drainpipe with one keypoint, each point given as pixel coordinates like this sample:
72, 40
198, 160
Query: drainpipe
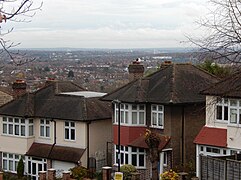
88, 144
52, 120
182, 136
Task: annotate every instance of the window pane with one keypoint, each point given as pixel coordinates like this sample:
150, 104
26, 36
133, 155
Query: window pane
160, 108
122, 116
126, 158
154, 123
66, 133
72, 134
16, 120
142, 107
22, 130
30, 130
10, 129
134, 107
41, 130
5, 164
126, 117
10, 119
233, 102
47, 122
47, 132
72, 124
23, 121
4, 128
10, 165
41, 121
226, 113
153, 107
141, 117
233, 115
134, 159
219, 113
66, 123
4, 119
134, 117
141, 160
17, 130
30, 121
160, 121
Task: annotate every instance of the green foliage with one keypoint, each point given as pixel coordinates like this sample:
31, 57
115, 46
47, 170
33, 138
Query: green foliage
20, 168
79, 172
98, 175
215, 69
127, 169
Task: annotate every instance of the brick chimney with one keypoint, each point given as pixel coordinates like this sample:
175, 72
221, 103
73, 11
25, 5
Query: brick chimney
136, 70
19, 88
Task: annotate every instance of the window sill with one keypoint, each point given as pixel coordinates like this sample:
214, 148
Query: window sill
157, 127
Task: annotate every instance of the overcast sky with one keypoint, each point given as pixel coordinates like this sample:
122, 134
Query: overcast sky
109, 24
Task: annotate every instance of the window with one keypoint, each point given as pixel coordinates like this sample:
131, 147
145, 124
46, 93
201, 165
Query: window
131, 155
165, 160
130, 114
45, 128
229, 111
17, 127
222, 109
10, 162
157, 113
213, 150
69, 130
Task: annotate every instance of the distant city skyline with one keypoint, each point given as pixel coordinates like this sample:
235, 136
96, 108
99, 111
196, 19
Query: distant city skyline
109, 24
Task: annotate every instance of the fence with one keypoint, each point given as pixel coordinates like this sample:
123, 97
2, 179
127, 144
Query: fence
221, 168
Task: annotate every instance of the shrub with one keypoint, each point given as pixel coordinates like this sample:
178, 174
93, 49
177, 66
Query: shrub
169, 175
127, 169
79, 172
20, 168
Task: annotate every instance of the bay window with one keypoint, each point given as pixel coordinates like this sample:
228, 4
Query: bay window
10, 161
131, 155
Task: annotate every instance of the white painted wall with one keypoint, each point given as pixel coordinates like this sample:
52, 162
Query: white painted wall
234, 137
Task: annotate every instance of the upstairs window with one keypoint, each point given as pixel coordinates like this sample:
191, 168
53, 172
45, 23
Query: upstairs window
222, 109
14, 126
229, 111
69, 129
45, 128
157, 116
130, 114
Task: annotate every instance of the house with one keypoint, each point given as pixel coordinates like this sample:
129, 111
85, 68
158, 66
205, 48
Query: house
167, 101
59, 126
221, 134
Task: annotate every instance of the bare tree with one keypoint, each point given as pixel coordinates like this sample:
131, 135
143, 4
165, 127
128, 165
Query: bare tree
223, 35
17, 11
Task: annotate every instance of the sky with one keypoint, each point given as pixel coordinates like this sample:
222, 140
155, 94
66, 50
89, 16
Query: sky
109, 24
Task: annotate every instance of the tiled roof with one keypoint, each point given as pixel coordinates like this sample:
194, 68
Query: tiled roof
61, 153
140, 142
212, 136
229, 87
48, 102
173, 83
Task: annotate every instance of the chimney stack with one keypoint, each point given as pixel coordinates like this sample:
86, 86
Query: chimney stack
136, 70
19, 88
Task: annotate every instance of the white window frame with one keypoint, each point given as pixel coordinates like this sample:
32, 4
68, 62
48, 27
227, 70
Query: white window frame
6, 157
126, 112
156, 114
45, 125
221, 102
127, 152
23, 126
69, 128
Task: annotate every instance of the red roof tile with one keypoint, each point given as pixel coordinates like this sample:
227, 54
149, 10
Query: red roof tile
212, 136
140, 142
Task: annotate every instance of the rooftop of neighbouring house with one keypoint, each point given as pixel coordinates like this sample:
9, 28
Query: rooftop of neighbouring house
173, 83
229, 87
